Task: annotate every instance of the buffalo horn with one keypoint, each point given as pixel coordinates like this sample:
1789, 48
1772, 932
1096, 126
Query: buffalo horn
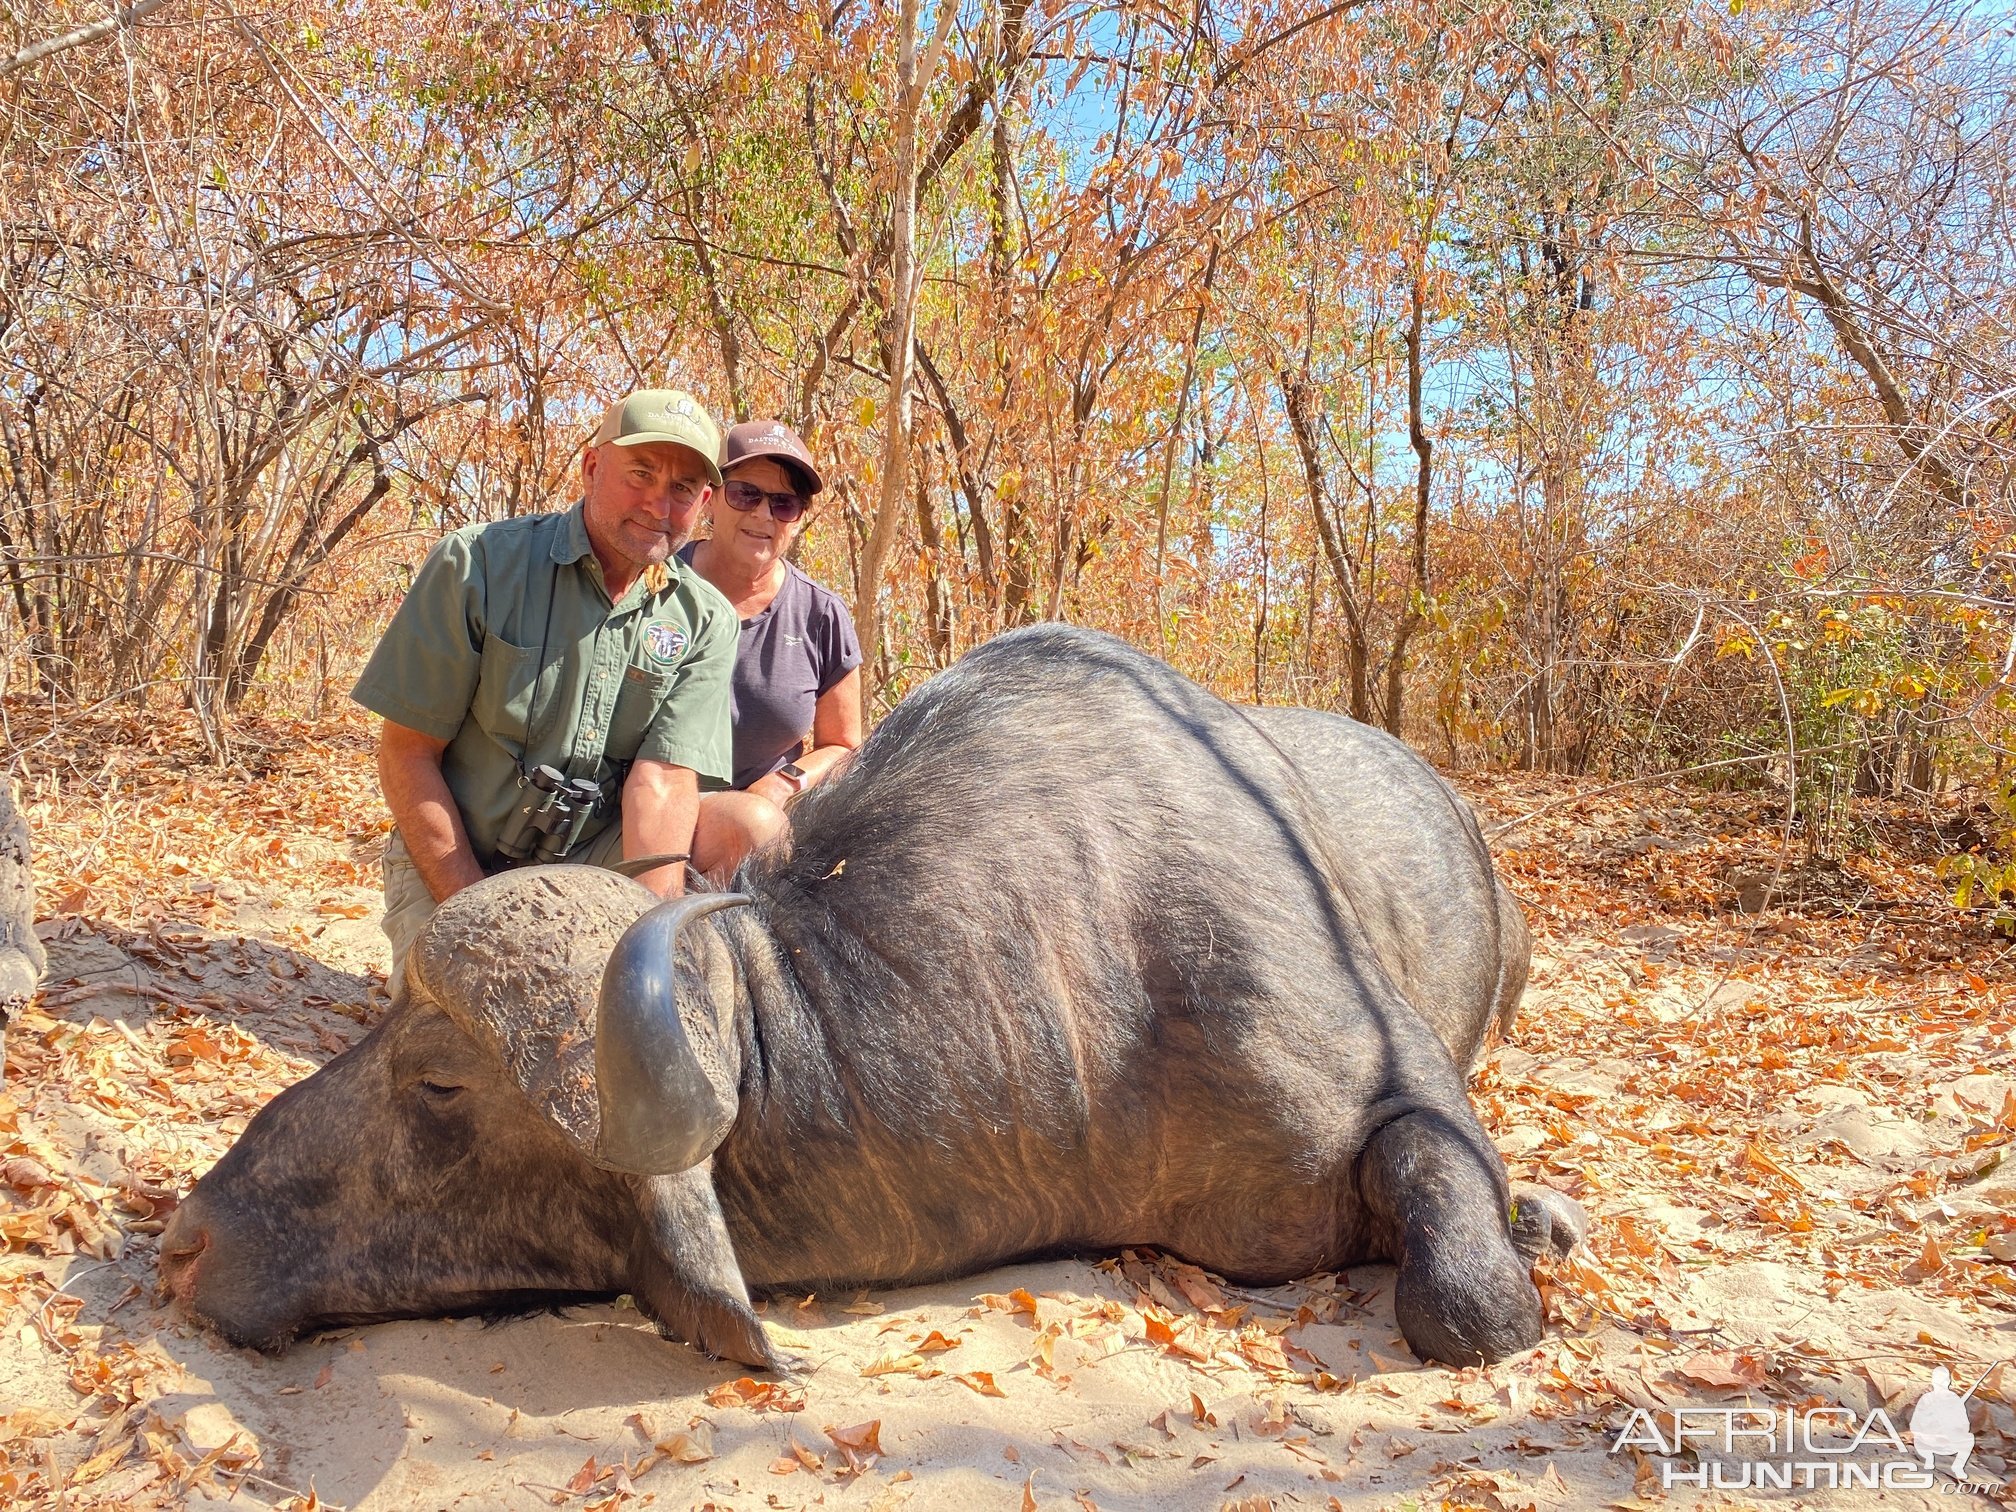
516, 960
664, 1090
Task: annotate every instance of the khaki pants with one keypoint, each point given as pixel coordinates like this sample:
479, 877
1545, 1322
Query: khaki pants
409, 905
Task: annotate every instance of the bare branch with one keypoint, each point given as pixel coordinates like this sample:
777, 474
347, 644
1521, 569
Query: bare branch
84, 36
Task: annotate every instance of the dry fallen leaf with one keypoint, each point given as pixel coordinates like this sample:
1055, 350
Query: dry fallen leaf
755, 1395
686, 1448
895, 1365
103, 1461
860, 1445
1202, 1291
1550, 1490
1016, 1301
1182, 1341
1724, 1367
1264, 1350
981, 1381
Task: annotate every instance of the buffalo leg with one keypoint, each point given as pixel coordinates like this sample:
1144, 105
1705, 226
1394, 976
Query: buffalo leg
1515, 950
684, 1275
1436, 1188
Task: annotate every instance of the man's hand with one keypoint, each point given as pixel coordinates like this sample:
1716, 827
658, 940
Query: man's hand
660, 804
409, 770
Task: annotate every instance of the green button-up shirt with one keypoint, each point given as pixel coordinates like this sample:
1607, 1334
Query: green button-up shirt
509, 648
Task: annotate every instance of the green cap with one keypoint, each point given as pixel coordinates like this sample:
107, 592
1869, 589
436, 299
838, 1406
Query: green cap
662, 415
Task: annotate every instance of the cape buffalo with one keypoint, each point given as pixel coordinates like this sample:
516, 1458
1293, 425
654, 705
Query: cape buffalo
1075, 956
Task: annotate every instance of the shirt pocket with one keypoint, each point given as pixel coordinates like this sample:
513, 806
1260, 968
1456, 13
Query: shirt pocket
639, 698
505, 680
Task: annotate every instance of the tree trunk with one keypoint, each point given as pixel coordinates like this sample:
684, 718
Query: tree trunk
1176, 439
1299, 396
971, 486
902, 306
1415, 614
937, 594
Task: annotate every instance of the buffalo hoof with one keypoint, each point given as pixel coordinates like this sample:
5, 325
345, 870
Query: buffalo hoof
714, 1323
792, 1367
1545, 1222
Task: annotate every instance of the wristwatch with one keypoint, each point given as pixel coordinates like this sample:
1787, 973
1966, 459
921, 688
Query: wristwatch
794, 774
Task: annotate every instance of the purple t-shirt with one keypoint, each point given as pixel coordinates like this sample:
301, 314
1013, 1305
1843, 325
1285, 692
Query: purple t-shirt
791, 653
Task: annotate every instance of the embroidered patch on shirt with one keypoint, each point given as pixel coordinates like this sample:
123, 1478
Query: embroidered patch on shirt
664, 641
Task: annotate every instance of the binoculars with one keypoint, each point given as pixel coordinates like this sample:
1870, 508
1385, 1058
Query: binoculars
552, 808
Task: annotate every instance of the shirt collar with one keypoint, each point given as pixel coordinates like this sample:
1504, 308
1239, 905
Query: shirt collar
570, 541
571, 544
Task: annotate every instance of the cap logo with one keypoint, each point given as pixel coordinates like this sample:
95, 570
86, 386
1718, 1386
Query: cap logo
663, 641
680, 408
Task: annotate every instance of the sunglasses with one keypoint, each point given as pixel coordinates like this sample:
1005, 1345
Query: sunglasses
784, 507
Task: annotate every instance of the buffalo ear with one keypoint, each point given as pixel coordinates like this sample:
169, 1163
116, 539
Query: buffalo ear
516, 961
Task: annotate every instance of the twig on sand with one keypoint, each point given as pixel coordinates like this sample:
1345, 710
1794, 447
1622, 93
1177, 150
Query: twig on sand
241, 1476
42, 1313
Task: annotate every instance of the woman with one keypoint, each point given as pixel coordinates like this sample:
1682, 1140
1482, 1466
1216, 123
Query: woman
798, 669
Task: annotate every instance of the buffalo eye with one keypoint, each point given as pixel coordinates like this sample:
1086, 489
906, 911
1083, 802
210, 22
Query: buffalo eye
438, 1091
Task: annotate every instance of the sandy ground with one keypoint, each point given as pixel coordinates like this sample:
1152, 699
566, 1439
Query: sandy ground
1752, 1246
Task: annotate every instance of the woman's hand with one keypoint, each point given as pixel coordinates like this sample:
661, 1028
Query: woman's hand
776, 788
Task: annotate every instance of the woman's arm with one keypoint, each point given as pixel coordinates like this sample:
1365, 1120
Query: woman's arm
836, 731
836, 728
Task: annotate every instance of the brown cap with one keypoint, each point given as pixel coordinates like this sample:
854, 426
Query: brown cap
770, 438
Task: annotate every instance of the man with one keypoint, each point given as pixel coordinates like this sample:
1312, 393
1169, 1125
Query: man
574, 641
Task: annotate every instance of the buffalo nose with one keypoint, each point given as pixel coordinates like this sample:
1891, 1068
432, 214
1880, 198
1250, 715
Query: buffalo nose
178, 1262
